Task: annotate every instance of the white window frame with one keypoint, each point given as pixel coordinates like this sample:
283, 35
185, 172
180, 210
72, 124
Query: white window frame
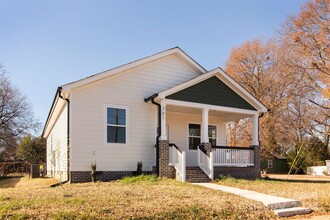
270, 164
105, 124
200, 124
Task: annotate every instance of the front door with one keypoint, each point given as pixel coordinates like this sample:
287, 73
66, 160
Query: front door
194, 139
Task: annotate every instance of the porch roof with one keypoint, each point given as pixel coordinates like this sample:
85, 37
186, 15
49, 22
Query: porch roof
215, 88
224, 115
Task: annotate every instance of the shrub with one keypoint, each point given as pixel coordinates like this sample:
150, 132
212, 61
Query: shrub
139, 168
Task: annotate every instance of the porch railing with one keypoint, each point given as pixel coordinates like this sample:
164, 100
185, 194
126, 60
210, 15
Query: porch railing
205, 161
178, 160
233, 156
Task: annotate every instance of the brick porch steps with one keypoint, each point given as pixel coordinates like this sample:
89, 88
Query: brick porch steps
196, 175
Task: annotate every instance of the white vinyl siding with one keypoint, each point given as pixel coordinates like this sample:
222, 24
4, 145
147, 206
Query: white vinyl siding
178, 128
126, 89
57, 147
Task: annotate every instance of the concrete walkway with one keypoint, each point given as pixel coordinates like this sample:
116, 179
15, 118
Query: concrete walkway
283, 207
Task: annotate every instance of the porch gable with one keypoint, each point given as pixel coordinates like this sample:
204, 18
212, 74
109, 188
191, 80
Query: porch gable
212, 91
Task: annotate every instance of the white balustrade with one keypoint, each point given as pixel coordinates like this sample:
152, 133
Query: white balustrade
205, 162
233, 157
178, 160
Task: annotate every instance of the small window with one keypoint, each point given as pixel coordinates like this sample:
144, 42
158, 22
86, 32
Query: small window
195, 135
116, 125
270, 164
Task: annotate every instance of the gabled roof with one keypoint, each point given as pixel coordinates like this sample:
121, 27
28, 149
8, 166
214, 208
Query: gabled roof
265, 150
225, 78
99, 76
65, 89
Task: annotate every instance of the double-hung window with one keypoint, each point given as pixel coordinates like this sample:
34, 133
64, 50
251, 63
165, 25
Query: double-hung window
116, 125
195, 135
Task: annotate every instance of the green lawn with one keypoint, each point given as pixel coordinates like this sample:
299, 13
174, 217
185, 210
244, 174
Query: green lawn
312, 195
144, 197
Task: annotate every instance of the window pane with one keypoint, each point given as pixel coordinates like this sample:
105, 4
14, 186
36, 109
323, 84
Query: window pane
212, 131
116, 134
194, 130
116, 116
193, 143
213, 141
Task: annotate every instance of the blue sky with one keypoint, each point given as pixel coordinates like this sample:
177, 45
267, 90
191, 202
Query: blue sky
44, 44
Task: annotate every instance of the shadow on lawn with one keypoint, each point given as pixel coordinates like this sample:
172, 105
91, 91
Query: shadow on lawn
9, 181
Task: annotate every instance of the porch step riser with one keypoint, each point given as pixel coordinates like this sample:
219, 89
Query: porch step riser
198, 181
292, 211
196, 175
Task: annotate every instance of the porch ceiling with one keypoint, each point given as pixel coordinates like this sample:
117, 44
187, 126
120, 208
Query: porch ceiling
225, 116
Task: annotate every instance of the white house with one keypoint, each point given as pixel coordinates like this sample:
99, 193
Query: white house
112, 118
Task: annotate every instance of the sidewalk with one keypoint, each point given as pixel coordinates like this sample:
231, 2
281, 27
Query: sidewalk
283, 207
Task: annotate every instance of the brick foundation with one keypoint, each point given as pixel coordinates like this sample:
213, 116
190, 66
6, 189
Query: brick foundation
252, 172
104, 176
165, 170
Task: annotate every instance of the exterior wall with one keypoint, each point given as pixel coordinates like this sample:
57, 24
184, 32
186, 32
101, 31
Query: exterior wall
57, 148
127, 89
252, 172
279, 165
178, 132
207, 92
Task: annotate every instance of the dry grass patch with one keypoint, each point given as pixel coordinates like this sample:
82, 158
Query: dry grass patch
145, 197
312, 195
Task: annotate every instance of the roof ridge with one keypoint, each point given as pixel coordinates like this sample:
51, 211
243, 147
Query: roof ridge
125, 64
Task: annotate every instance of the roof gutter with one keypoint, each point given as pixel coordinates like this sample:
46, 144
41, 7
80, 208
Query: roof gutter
159, 133
51, 111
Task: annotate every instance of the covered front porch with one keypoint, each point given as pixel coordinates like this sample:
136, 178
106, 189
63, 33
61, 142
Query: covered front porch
196, 137
192, 121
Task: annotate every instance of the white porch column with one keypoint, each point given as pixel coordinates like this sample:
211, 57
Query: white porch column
255, 124
205, 126
163, 120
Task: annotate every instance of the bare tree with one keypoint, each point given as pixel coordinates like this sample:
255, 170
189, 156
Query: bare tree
261, 67
16, 117
307, 35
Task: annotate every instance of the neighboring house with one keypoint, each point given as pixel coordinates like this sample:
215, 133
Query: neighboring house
272, 163
111, 118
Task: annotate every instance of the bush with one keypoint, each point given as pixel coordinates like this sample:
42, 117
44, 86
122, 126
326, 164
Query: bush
139, 168
312, 153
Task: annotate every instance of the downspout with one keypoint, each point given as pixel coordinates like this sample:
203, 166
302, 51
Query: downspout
68, 131
159, 133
